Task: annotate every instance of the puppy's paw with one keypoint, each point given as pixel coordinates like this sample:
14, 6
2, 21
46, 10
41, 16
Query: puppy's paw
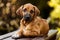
16, 36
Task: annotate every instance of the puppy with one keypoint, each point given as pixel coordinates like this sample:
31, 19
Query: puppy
31, 24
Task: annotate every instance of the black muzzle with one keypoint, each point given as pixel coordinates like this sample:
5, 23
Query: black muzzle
27, 17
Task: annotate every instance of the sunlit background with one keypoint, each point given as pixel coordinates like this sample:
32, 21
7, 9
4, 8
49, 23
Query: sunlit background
54, 16
10, 21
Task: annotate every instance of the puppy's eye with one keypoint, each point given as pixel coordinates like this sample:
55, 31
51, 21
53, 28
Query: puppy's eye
31, 11
25, 10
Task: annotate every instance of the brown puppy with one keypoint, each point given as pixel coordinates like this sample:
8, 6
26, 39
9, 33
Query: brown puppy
31, 24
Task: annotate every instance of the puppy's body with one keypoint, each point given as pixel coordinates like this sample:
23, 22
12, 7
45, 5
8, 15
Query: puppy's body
31, 24
37, 27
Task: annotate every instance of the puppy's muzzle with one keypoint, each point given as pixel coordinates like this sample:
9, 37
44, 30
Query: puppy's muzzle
27, 17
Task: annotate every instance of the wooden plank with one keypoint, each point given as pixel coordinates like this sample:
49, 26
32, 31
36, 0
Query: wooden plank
51, 33
6, 35
9, 38
36, 38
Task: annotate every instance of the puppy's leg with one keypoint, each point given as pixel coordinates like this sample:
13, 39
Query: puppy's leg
29, 33
18, 33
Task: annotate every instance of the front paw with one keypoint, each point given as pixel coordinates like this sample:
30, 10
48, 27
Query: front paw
16, 36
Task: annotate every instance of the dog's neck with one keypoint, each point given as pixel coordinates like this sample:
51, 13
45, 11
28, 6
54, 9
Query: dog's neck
26, 22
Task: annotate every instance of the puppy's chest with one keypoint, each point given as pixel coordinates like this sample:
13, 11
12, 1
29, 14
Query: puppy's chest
35, 26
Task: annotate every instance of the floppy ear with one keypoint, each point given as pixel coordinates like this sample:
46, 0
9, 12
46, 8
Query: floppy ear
37, 12
19, 11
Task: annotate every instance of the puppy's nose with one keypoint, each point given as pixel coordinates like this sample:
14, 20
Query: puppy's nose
27, 16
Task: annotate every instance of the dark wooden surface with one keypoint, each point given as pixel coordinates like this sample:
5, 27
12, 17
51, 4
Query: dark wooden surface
51, 35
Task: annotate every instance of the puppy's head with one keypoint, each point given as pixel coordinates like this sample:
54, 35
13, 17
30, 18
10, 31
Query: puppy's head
28, 11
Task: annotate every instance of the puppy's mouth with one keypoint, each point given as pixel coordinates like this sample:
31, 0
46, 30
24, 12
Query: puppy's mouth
27, 17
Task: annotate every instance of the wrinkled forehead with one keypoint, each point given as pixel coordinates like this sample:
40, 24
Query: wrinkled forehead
29, 6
